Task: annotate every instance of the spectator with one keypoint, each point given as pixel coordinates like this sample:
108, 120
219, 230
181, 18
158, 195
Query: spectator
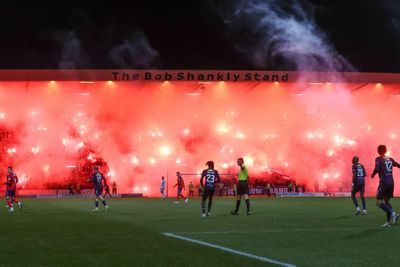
200, 190
221, 188
316, 186
107, 190
78, 188
290, 187
234, 189
191, 189
268, 189
114, 187
71, 189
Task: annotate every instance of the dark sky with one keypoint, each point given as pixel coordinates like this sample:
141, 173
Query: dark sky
179, 34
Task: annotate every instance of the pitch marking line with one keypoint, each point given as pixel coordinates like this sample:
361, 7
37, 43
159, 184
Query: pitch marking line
233, 251
278, 231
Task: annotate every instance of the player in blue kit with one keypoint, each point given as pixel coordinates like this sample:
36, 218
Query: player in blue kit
99, 182
384, 168
211, 177
358, 185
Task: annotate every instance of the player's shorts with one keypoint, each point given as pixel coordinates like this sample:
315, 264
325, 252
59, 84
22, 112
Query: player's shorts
358, 188
179, 190
385, 191
162, 191
98, 192
243, 188
208, 192
10, 193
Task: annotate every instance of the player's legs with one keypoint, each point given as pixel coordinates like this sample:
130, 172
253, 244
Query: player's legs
96, 203
381, 200
210, 199
240, 193
177, 195
247, 199
386, 208
8, 199
364, 204
103, 201
185, 198
182, 196
15, 200
203, 201
238, 199
393, 216
354, 199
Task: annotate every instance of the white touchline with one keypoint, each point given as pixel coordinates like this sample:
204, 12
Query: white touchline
275, 231
237, 252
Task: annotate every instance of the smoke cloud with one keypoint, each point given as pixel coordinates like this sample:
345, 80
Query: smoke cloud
135, 53
54, 132
280, 35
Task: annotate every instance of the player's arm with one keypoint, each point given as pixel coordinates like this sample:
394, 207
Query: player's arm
203, 174
90, 179
217, 178
396, 164
376, 169
354, 175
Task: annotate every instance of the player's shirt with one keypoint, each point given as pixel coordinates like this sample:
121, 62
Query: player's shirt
211, 176
243, 174
162, 185
11, 182
180, 182
358, 174
384, 168
98, 180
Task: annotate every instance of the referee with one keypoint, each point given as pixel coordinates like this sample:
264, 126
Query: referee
243, 187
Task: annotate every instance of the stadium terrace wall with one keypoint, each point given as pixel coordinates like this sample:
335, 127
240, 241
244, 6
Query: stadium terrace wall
197, 75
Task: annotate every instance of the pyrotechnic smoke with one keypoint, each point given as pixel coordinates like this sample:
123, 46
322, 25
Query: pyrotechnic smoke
53, 132
280, 35
73, 55
135, 53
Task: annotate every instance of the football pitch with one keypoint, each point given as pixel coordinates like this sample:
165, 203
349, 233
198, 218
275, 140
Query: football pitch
154, 232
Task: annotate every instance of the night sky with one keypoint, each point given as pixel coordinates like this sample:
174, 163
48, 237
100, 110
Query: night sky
182, 34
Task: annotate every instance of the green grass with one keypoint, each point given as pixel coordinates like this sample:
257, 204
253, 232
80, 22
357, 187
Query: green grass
304, 232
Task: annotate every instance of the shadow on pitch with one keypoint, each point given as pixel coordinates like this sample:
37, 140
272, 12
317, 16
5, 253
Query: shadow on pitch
339, 218
363, 234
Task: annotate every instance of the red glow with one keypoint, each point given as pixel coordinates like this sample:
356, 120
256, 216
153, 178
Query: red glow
142, 131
